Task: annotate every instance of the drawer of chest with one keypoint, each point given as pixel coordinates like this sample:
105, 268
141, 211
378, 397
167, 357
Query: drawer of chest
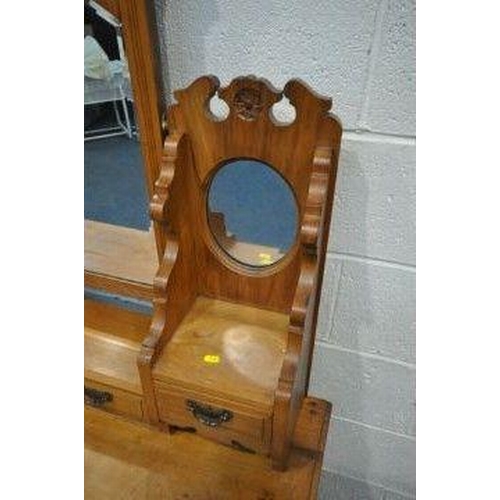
214, 419
113, 400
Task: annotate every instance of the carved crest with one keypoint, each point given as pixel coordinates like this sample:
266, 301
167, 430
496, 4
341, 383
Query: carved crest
248, 103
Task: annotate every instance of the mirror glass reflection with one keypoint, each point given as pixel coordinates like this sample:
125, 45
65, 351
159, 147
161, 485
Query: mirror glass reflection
116, 214
252, 212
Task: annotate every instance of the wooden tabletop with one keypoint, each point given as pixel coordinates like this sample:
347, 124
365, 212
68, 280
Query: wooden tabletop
124, 459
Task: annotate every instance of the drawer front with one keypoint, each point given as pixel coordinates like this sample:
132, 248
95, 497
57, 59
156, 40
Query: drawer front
113, 400
216, 421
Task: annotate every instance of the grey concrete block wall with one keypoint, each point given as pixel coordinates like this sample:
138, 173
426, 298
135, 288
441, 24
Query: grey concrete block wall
361, 53
365, 389
337, 487
391, 86
374, 313
372, 455
327, 43
375, 201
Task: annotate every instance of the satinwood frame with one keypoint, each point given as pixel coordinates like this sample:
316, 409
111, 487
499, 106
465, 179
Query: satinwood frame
305, 152
140, 36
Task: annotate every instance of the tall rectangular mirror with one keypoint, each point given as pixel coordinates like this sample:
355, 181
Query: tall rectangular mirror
122, 143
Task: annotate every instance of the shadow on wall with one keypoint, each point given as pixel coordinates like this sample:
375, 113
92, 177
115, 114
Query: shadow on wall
189, 58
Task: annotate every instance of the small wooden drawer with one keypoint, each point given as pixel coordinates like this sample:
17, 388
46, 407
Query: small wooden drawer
215, 420
113, 400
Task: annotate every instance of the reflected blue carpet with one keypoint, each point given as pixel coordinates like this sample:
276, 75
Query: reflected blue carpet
115, 187
257, 203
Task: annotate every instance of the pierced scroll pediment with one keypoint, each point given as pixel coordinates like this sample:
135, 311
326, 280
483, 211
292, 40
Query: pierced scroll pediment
250, 99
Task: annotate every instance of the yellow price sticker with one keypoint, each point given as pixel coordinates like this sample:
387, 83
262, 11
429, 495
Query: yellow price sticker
265, 258
211, 359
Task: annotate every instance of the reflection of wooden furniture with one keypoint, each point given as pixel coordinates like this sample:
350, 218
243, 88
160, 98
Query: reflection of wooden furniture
229, 350
247, 252
141, 46
127, 460
119, 259
112, 342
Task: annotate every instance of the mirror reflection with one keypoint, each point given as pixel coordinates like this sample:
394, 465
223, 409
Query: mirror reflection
117, 223
252, 212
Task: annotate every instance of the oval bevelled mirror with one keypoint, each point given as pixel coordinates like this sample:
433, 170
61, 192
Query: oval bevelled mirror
252, 212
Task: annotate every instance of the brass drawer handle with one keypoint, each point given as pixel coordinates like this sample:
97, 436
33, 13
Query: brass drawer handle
208, 415
96, 398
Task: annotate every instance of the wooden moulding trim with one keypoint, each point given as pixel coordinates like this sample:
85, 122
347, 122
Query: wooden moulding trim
118, 286
154, 339
152, 344
112, 6
171, 148
150, 349
141, 40
321, 450
326, 159
144, 361
294, 378
170, 245
294, 373
142, 47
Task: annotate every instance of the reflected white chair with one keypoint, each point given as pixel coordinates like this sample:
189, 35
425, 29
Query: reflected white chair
116, 89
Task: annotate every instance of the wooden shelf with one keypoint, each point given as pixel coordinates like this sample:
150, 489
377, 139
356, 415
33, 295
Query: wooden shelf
112, 341
129, 460
226, 350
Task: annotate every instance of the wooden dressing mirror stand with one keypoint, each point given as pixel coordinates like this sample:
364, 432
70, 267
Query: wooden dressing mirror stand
230, 346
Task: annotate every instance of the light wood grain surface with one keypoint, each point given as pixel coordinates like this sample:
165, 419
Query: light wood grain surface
112, 343
228, 350
121, 252
133, 461
305, 153
111, 361
114, 320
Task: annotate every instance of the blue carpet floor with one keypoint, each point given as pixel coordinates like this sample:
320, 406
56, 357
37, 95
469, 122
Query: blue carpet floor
115, 188
257, 203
